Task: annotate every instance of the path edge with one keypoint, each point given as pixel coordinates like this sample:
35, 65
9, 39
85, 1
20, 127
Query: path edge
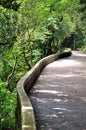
25, 119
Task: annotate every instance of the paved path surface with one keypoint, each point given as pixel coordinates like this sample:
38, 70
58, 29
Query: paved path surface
59, 95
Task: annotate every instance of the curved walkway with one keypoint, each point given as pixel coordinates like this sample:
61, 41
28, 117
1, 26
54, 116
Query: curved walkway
59, 95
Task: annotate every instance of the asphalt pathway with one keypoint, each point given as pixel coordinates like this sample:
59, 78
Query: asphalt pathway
59, 95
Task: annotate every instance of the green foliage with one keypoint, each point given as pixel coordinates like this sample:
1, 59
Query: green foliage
7, 107
10, 4
7, 27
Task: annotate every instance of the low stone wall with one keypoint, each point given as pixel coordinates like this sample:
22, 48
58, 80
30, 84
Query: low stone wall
25, 119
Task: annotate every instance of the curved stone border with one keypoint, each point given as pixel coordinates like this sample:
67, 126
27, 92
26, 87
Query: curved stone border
25, 119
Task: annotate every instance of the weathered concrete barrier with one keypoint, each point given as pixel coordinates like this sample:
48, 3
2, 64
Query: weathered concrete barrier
25, 119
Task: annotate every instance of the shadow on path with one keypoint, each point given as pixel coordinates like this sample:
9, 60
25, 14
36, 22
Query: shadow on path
59, 95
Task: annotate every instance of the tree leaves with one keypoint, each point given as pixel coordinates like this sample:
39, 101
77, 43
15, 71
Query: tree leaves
10, 4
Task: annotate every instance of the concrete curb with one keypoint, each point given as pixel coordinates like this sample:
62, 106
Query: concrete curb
25, 119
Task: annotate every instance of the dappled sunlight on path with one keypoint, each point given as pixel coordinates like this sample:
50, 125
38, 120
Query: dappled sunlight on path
79, 54
64, 63
59, 95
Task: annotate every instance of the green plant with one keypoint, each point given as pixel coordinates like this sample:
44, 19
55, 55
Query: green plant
7, 107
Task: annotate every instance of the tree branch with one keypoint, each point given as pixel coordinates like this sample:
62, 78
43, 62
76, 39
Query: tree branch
25, 58
12, 72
